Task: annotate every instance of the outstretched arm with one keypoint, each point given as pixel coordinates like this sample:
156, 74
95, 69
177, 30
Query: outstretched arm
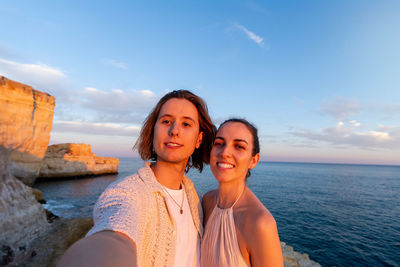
265, 246
103, 249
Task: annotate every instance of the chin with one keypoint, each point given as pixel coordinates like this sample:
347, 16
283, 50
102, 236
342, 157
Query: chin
173, 159
221, 177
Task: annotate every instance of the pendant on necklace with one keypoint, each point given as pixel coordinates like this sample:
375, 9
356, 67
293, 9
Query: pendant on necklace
181, 211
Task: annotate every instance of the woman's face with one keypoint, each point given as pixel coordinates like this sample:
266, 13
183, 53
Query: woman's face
177, 131
231, 154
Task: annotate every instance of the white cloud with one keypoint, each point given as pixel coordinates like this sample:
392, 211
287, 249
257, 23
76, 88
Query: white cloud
391, 108
88, 104
251, 35
90, 89
130, 106
40, 76
147, 93
112, 129
117, 91
121, 100
349, 134
355, 123
341, 108
115, 63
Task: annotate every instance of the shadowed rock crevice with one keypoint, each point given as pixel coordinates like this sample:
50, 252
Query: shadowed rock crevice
33, 111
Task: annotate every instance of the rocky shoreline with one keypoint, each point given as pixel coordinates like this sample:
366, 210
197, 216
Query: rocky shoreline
30, 235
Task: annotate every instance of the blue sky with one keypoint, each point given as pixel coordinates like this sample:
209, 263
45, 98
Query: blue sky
320, 79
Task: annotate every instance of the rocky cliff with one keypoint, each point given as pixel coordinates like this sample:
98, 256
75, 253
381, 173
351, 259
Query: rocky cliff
66, 160
26, 117
22, 218
27, 238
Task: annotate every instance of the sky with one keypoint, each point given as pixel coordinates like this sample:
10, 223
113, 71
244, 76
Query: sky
320, 79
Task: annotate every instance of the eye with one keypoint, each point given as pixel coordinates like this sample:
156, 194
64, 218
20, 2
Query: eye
165, 121
241, 147
187, 124
217, 143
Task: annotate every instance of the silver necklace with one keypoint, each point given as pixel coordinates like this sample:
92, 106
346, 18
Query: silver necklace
183, 197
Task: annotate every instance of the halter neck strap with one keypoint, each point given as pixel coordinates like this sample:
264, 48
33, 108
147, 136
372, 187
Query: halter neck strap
234, 203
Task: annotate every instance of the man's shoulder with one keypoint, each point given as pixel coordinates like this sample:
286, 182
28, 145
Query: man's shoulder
131, 186
130, 180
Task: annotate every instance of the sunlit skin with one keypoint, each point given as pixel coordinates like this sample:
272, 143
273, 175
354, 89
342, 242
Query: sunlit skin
176, 136
231, 155
231, 158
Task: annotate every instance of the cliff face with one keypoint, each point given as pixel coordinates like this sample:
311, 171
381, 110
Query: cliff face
66, 160
22, 218
27, 238
25, 122
26, 117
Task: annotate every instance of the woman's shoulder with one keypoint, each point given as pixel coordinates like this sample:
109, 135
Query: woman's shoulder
258, 219
261, 234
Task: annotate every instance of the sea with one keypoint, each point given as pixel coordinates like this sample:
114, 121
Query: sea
339, 214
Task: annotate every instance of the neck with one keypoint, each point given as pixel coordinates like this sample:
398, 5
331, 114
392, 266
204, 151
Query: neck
169, 175
229, 192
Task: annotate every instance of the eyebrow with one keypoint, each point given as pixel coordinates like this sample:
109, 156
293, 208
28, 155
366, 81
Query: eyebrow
236, 140
185, 117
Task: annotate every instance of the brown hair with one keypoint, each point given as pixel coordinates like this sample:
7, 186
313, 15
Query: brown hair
201, 155
254, 132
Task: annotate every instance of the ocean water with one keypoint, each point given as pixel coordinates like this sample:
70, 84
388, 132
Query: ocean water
341, 215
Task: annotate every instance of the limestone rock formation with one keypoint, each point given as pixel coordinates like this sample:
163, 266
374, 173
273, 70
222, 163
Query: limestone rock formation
22, 218
26, 117
38, 196
61, 234
292, 258
67, 160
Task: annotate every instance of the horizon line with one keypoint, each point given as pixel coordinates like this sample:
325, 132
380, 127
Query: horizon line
302, 162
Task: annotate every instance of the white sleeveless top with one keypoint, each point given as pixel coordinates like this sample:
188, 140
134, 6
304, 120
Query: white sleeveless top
187, 251
219, 246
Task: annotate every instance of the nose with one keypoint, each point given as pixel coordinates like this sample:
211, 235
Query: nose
224, 151
173, 129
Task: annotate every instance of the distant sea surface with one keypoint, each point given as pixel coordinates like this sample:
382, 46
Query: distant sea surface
341, 215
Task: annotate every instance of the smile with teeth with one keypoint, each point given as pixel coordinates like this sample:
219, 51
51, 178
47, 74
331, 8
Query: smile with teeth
224, 165
170, 144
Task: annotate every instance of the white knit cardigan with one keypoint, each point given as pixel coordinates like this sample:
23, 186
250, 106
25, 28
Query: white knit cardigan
136, 206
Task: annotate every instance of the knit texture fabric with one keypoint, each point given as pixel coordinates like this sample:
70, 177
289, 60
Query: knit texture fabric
136, 206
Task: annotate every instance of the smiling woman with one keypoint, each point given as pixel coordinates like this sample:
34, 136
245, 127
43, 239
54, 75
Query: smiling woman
239, 230
151, 217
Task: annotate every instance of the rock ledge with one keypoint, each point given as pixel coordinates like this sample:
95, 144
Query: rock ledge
69, 160
292, 258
